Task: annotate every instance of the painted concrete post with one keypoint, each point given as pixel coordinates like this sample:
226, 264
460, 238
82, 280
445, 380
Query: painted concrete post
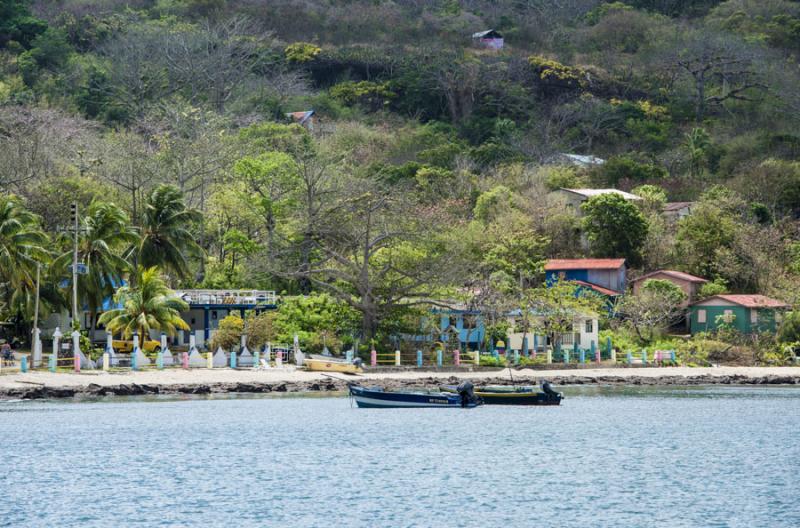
457, 357
549, 356
106, 361
613, 355
233, 359
349, 355
56, 345
582, 355
495, 354
516, 357
644, 357
477, 358
209, 360
160, 360
278, 359
397, 358
23, 364
630, 358
135, 353
36, 356
608, 345
439, 358
185, 360
525, 351
419, 358
76, 350
566, 356
256, 358
595, 351
672, 356
373, 357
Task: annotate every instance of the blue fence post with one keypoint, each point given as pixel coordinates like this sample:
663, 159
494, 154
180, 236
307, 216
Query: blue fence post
583, 356
419, 358
644, 357
566, 355
516, 357
52, 364
439, 358
349, 355
495, 353
672, 355
233, 359
23, 364
535, 344
593, 351
135, 359
630, 358
575, 348
160, 360
525, 351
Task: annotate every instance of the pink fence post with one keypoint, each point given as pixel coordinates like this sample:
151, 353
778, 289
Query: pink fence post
457, 357
185, 360
373, 357
597, 355
76, 359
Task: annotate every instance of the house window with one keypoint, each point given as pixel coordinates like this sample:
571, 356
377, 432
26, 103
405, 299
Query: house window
562, 275
753, 316
589, 326
701, 316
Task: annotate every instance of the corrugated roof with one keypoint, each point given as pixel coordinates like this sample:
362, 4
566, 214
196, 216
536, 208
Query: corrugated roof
598, 289
748, 301
578, 264
584, 160
482, 34
589, 193
676, 206
301, 117
672, 273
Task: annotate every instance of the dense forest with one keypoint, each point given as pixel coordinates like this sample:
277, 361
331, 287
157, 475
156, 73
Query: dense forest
425, 169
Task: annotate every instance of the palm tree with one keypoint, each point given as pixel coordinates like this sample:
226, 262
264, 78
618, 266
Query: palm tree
22, 245
150, 305
105, 233
166, 239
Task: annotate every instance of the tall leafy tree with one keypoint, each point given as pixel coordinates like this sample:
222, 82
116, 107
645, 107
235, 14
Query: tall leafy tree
106, 233
166, 240
149, 305
615, 227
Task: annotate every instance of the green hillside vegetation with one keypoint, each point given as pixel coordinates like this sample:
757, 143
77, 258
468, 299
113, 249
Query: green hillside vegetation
427, 169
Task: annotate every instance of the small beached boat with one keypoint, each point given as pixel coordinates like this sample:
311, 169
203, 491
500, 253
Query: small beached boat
330, 364
514, 395
376, 397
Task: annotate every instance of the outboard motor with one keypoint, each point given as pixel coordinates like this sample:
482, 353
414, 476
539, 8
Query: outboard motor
548, 390
467, 392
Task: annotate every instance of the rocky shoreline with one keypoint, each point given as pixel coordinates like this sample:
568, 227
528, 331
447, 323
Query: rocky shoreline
43, 391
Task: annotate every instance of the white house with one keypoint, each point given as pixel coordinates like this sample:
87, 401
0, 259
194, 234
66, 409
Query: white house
584, 332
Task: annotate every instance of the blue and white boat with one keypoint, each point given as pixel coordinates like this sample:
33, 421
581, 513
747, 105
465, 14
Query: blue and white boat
376, 398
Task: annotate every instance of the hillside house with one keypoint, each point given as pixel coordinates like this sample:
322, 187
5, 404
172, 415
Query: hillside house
690, 284
571, 199
306, 119
676, 211
604, 276
489, 38
749, 314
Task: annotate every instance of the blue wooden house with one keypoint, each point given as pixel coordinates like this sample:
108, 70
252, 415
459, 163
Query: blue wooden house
604, 276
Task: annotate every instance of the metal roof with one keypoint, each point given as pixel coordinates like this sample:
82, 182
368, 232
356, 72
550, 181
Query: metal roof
676, 274
482, 34
579, 264
748, 301
589, 193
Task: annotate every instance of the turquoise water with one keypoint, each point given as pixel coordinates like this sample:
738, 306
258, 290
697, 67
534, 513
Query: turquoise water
606, 457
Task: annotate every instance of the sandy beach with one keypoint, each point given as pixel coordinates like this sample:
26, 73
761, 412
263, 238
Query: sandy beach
46, 384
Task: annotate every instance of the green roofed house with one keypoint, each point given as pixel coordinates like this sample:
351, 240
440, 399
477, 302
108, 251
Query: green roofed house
748, 314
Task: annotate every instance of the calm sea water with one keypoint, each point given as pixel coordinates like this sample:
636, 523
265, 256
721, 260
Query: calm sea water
606, 457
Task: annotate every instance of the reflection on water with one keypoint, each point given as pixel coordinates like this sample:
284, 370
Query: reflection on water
609, 456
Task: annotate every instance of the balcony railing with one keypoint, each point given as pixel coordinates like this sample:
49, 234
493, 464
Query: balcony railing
246, 297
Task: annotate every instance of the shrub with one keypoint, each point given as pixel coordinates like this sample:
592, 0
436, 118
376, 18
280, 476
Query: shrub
491, 361
301, 52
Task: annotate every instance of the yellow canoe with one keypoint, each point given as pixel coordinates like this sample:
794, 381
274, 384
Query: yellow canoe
322, 365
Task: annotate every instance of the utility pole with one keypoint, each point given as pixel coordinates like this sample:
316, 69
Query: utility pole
74, 208
36, 306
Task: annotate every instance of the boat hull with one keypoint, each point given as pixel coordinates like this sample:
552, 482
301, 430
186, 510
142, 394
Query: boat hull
379, 399
512, 397
342, 367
